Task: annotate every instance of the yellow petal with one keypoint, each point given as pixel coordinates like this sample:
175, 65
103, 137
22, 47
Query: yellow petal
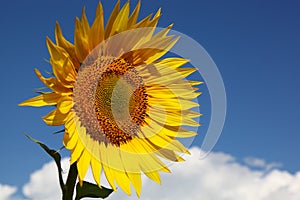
173, 63
147, 22
122, 180
66, 138
155, 18
81, 41
133, 17
53, 84
46, 99
186, 71
176, 131
183, 91
149, 51
70, 141
83, 164
97, 32
85, 23
62, 66
166, 142
172, 131
190, 114
117, 169
135, 146
173, 104
148, 26
143, 23
76, 153
136, 181
65, 104
163, 33
154, 175
170, 155
106, 168
120, 23
150, 163
171, 118
57, 54
70, 124
55, 118
69, 47
196, 83
111, 19
69, 73
164, 49
173, 78
96, 169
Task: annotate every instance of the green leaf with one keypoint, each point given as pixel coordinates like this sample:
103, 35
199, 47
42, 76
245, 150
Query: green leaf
91, 190
54, 154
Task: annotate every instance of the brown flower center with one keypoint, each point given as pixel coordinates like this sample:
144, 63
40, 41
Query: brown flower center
110, 100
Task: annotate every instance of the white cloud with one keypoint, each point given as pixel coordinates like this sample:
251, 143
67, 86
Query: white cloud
6, 192
220, 177
43, 183
217, 177
260, 163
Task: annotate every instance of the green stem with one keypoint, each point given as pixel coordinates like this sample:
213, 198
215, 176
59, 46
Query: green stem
61, 182
68, 189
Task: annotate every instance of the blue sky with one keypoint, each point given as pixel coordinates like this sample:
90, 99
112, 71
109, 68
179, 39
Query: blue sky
255, 44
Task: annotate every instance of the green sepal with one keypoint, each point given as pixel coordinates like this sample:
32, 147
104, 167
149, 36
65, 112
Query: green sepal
91, 190
60, 131
54, 154
42, 90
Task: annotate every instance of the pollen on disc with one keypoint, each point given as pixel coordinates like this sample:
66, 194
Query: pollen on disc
107, 88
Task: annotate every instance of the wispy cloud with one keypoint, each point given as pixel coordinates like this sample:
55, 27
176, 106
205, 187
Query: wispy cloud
260, 163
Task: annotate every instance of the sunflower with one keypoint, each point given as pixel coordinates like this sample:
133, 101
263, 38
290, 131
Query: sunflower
122, 105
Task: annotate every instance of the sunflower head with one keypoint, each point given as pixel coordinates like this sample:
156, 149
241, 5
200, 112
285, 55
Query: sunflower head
121, 103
